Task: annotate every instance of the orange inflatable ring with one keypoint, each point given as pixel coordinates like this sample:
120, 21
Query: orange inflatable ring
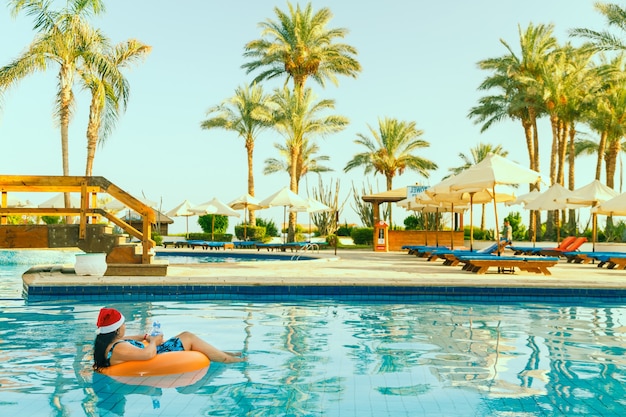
167, 363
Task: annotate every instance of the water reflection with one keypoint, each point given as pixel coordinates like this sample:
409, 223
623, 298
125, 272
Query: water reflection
308, 359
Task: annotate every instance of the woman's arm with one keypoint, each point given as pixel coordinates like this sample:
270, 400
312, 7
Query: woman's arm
125, 352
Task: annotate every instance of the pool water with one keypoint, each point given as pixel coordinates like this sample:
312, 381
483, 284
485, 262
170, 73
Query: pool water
224, 256
328, 358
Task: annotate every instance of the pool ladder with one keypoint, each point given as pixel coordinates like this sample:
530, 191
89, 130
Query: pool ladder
308, 247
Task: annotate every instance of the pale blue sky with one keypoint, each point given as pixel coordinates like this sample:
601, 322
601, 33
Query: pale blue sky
419, 63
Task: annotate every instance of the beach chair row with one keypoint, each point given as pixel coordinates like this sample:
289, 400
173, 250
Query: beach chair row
480, 261
204, 244
292, 246
569, 244
610, 260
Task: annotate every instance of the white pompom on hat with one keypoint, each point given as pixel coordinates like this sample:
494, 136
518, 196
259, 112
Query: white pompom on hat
109, 320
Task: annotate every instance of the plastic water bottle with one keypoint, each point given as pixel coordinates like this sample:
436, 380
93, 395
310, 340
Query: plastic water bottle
156, 329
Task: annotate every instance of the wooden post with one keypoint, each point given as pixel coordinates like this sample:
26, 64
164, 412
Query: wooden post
82, 230
3, 204
147, 235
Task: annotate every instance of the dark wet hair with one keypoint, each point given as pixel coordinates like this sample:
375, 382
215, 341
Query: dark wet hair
100, 349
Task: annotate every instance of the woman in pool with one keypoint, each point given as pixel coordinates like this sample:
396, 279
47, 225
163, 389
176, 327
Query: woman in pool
113, 347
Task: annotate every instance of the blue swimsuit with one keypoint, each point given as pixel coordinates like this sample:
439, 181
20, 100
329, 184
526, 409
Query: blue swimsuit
171, 345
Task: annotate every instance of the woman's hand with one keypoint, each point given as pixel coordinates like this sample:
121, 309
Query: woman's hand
156, 340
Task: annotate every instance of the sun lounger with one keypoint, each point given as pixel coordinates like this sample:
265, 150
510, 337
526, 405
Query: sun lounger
480, 264
206, 245
422, 251
527, 250
582, 257
450, 256
576, 243
245, 244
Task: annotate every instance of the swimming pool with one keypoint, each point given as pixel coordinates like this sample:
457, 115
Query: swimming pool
196, 257
328, 358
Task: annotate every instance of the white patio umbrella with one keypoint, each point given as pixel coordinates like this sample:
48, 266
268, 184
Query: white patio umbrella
182, 210
286, 198
613, 207
524, 198
554, 198
58, 201
314, 207
18, 202
491, 171
245, 202
445, 192
215, 207
591, 195
426, 204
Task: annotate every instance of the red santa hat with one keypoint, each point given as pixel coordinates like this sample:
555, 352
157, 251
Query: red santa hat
109, 320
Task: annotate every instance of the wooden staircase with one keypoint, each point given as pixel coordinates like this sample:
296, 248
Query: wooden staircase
90, 235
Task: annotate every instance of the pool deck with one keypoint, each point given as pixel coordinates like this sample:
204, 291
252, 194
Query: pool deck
343, 273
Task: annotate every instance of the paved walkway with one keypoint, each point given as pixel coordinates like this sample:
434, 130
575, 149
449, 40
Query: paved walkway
349, 268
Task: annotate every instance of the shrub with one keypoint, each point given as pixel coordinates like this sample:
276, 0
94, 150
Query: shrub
52, 219
217, 237
270, 228
362, 235
345, 230
256, 233
206, 223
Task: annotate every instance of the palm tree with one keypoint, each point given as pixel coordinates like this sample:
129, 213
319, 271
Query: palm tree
308, 161
391, 151
64, 38
298, 119
605, 40
516, 78
108, 91
606, 114
300, 46
478, 153
247, 113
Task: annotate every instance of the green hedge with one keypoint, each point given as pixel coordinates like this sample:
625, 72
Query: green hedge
362, 235
256, 233
217, 237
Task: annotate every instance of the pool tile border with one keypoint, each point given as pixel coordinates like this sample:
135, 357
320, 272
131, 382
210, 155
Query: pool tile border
332, 292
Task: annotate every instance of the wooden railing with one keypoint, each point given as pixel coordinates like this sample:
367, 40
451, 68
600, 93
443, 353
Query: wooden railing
89, 188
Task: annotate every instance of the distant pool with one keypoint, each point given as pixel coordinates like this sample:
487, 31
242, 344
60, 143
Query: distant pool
226, 256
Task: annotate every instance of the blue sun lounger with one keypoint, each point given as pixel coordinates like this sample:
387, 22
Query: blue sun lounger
450, 256
479, 264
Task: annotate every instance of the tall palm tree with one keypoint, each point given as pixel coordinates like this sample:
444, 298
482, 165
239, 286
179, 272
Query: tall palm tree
605, 40
109, 91
519, 94
299, 45
64, 37
308, 161
606, 113
299, 120
391, 150
247, 113
477, 154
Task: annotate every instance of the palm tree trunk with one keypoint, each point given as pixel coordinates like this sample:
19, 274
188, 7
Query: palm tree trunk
65, 100
614, 146
293, 186
601, 150
250, 152
92, 133
389, 180
571, 178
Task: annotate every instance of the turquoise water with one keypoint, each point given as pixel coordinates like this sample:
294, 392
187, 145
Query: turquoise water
224, 256
327, 358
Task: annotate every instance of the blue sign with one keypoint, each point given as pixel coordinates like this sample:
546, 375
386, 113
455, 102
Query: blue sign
413, 190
